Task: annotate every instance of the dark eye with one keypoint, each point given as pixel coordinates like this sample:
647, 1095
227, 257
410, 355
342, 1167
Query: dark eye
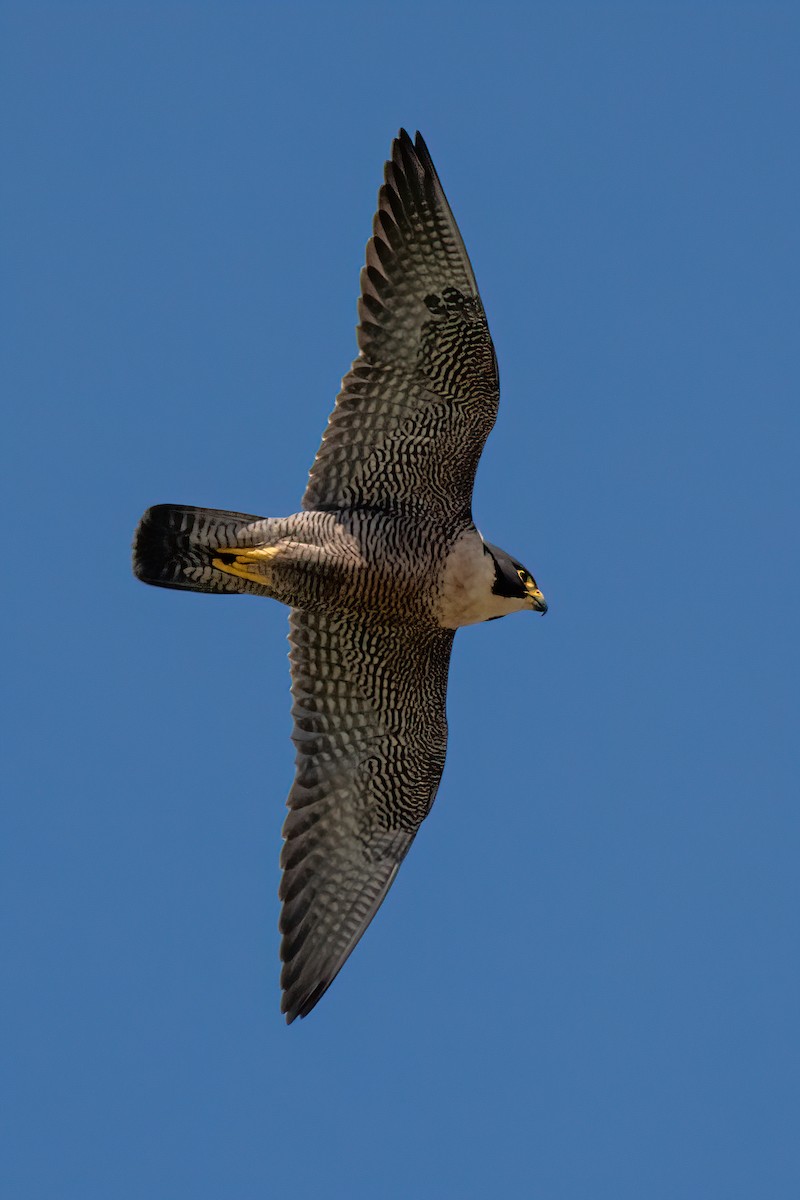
524, 575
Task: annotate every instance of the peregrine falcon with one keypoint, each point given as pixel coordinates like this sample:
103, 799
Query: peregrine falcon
379, 569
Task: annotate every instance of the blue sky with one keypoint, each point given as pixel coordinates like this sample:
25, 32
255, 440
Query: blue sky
585, 982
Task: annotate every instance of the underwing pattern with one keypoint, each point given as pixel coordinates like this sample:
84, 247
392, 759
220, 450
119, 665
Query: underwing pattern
379, 568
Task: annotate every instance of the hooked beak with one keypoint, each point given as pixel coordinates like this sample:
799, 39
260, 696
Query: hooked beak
538, 602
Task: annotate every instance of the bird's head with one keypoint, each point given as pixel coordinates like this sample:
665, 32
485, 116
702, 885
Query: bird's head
514, 582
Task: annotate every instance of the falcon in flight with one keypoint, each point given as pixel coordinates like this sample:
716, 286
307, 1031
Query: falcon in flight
379, 568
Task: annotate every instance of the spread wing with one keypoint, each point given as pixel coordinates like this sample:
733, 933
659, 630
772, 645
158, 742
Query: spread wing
371, 732
420, 400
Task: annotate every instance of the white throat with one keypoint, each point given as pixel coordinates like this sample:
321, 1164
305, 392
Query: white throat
465, 586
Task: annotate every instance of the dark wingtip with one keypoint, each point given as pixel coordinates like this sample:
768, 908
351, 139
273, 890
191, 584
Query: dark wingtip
421, 145
405, 150
300, 1004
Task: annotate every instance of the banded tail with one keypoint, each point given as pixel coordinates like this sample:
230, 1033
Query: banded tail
175, 546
